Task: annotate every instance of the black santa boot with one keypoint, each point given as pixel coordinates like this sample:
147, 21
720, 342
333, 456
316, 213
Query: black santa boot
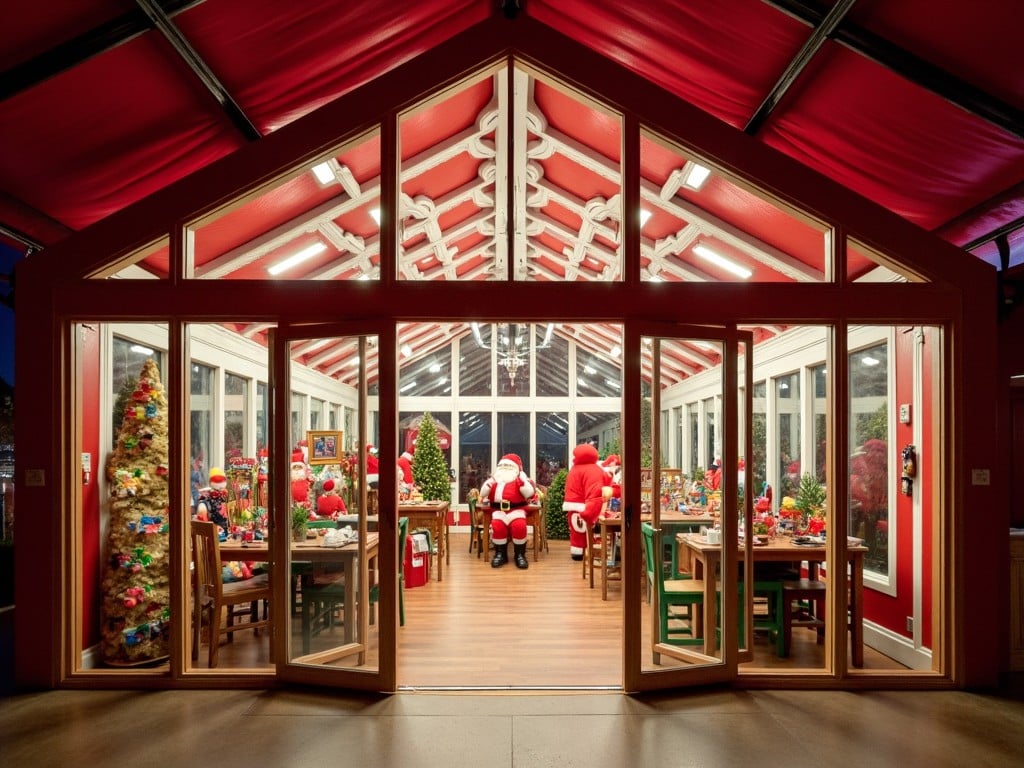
519, 551
500, 555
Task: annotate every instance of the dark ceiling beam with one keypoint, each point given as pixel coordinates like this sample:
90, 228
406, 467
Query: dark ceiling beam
821, 33
918, 71
31, 245
67, 55
199, 67
1002, 232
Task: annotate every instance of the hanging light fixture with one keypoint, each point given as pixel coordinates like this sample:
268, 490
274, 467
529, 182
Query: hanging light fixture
511, 355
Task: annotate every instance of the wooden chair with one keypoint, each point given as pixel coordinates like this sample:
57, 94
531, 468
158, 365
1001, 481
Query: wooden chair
592, 553
212, 595
803, 605
678, 601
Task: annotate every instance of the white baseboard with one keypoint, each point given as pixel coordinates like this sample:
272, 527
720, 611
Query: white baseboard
897, 647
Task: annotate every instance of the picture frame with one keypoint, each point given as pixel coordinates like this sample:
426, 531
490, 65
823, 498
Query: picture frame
325, 446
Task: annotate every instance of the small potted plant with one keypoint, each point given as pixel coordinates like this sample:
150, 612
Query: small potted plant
300, 520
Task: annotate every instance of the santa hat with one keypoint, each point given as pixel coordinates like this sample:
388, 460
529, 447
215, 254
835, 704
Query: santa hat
372, 450
217, 475
406, 455
612, 461
328, 485
511, 458
297, 457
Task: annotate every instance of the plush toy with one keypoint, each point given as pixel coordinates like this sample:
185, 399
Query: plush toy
507, 491
212, 500
235, 570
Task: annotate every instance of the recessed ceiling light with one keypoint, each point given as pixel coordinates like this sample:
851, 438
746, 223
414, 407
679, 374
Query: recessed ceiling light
323, 172
695, 174
645, 216
297, 258
375, 215
719, 260
406, 350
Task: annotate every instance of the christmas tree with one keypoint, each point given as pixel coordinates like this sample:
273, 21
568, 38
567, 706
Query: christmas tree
429, 469
136, 582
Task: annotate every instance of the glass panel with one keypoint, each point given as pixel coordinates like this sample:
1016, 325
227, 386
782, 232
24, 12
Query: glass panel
475, 361
513, 359
475, 446
298, 420
598, 370
236, 396
871, 495
119, 416
712, 451
261, 418
409, 425
568, 161
758, 464
514, 436
681, 619
552, 362
422, 372
153, 262
201, 409
787, 431
333, 554
318, 222
316, 413
867, 265
820, 388
701, 225
552, 445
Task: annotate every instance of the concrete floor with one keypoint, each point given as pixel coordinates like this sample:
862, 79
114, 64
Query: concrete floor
707, 728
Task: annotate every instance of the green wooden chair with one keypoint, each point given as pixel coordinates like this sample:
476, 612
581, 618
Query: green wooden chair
678, 601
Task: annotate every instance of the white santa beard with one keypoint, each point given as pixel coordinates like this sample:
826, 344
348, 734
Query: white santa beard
506, 474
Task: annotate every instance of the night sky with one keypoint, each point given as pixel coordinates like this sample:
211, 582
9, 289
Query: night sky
8, 257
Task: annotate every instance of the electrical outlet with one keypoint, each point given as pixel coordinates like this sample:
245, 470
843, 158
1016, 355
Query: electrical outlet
910, 625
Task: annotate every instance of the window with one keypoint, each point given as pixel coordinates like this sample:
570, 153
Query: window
236, 395
787, 433
201, 413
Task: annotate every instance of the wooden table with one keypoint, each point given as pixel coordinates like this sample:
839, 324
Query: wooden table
433, 515
672, 523
532, 518
312, 551
704, 560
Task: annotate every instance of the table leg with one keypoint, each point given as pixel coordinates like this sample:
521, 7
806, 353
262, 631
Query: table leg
349, 611
857, 610
708, 568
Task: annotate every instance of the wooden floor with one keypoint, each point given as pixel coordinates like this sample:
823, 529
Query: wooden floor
510, 628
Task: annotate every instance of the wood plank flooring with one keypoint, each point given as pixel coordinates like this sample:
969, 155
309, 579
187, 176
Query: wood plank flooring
509, 628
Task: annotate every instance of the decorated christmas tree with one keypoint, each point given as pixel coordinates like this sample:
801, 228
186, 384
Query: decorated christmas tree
429, 469
136, 595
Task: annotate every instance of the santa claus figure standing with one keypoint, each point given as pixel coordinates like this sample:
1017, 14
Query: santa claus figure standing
300, 479
372, 467
584, 496
507, 492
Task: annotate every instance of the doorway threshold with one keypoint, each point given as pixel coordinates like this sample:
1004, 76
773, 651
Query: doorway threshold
510, 689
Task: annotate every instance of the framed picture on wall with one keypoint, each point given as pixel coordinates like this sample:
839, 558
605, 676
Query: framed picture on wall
324, 446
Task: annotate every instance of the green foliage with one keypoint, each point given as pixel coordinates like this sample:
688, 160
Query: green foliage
429, 469
810, 496
300, 517
557, 525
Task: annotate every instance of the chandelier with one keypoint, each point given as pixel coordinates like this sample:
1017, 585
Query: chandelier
513, 349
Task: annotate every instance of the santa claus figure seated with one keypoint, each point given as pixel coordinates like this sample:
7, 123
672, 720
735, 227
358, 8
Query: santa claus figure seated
329, 503
508, 491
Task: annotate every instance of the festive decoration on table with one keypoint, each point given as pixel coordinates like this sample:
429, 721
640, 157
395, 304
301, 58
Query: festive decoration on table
213, 499
136, 589
429, 468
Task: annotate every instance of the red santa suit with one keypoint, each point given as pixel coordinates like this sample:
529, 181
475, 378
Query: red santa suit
372, 467
507, 492
330, 504
405, 468
583, 496
613, 469
300, 479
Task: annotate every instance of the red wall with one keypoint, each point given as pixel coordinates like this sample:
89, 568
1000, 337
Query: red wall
885, 610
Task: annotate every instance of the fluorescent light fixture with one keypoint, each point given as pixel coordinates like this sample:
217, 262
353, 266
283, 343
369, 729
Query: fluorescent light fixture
410, 385
695, 174
297, 258
616, 351
375, 215
589, 370
406, 350
719, 260
645, 215
476, 334
547, 334
435, 368
582, 382
869, 361
323, 172
141, 350
613, 384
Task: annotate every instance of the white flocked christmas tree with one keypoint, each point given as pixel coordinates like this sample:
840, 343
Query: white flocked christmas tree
136, 580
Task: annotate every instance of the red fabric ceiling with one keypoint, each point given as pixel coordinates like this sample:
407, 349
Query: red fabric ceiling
101, 134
